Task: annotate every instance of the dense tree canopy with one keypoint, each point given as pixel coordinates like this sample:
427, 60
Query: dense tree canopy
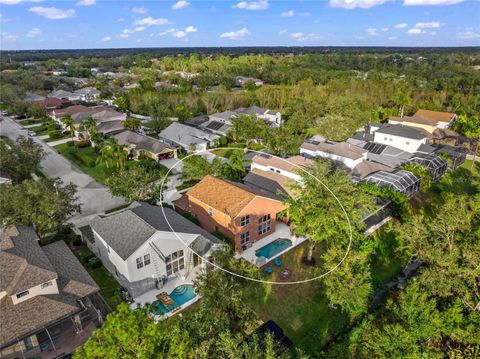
20, 158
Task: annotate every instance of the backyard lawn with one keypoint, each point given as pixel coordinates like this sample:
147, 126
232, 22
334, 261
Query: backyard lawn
303, 310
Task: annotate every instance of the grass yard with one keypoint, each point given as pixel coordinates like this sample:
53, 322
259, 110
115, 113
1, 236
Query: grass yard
57, 139
108, 285
85, 158
301, 309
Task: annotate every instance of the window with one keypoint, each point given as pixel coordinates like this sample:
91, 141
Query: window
244, 238
391, 139
46, 284
210, 211
175, 262
407, 143
28, 343
385, 138
146, 259
245, 220
264, 224
23, 294
139, 262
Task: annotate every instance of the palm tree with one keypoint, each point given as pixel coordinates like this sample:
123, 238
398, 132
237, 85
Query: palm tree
69, 125
112, 154
402, 99
90, 125
132, 124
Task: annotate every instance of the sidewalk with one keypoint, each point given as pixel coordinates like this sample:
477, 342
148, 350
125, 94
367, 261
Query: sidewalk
59, 142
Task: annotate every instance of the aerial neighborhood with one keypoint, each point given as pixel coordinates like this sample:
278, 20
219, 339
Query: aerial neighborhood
163, 192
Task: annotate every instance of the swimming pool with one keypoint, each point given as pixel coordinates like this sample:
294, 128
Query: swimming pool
180, 295
273, 248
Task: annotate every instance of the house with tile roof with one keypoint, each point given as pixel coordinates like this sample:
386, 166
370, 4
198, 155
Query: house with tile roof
243, 213
47, 299
147, 248
141, 145
426, 120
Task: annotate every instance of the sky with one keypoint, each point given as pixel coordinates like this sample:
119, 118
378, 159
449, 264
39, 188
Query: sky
38, 24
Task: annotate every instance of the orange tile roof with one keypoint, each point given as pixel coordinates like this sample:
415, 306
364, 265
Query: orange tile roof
225, 196
435, 116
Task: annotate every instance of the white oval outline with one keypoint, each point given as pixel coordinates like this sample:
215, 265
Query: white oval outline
239, 275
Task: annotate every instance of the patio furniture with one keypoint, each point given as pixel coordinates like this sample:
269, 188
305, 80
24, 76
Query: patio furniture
285, 274
269, 270
277, 262
165, 299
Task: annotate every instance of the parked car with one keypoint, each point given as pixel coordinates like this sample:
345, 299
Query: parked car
32, 133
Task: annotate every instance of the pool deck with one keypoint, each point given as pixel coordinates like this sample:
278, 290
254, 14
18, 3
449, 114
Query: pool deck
281, 231
151, 296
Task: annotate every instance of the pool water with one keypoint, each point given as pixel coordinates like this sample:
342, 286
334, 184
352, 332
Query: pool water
180, 295
273, 248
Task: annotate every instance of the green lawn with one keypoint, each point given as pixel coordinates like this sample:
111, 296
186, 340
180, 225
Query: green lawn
302, 309
468, 165
83, 157
108, 285
57, 139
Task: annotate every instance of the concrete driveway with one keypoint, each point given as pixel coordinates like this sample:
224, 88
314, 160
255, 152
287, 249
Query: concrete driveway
93, 196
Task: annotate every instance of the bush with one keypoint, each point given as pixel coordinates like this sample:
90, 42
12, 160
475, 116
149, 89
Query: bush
223, 238
89, 162
94, 263
83, 144
53, 126
191, 218
70, 143
86, 257
77, 241
54, 134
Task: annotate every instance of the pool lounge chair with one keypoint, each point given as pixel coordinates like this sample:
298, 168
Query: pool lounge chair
277, 262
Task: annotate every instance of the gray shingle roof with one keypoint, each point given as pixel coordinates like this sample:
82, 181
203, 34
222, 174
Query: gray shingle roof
402, 131
125, 231
142, 142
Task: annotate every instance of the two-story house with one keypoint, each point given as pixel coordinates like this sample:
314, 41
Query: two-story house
405, 138
242, 213
145, 246
47, 299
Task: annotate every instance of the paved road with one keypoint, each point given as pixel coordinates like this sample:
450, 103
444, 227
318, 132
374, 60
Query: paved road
94, 197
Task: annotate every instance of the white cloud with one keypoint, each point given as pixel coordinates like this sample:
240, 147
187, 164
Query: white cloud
7, 37
86, 2
180, 5
392, 38
139, 10
127, 32
169, 31
236, 35
15, 2
430, 2
191, 29
288, 13
121, 19
179, 34
371, 31
106, 38
3, 19
52, 12
415, 31
150, 21
468, 35
281, 32
300, 36
384, 29
34, 32
352, 4
401, 26
252, 5
428, 25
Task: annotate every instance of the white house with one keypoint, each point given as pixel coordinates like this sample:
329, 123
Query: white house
242, 81
187, 137
272, 118
88, 94
343, 152
139, 248
399, 136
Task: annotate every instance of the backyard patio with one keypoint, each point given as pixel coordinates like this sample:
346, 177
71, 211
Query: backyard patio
282, 231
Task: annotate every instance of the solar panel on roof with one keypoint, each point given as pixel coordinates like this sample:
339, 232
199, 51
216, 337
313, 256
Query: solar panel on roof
375, 148
214, 125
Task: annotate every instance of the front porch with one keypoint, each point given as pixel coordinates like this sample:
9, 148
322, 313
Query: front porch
282, 231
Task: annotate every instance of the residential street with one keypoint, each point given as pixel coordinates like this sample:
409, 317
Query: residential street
94, 197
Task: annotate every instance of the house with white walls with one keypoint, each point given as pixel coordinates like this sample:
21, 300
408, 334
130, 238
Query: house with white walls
343, 152
405, 138
145, 247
